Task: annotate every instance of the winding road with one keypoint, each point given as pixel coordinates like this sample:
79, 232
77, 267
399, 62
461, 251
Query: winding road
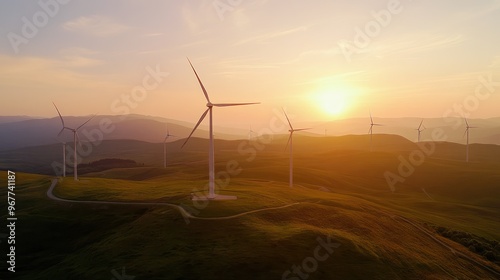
183, 211
186, 215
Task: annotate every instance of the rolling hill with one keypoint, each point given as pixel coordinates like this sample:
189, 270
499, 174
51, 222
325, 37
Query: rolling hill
21, 132
129, 217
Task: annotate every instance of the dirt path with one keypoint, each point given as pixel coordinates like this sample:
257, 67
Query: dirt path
183, 211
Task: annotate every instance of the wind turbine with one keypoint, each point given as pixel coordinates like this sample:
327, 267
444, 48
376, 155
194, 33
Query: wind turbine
251, 133
168, 135
75, 138
290, 141
419, 130
211, 172
372, 124
467, 127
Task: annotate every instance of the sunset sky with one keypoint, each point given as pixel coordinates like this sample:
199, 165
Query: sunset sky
421, 59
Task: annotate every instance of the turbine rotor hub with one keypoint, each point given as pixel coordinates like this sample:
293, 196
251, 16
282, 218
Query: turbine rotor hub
209, 104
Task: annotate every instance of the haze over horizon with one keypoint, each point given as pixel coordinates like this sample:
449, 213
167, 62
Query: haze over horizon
420, 59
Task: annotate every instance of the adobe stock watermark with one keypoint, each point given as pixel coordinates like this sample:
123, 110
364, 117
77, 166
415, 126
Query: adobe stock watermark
123, 106
372, 29
31, 27
121, 276
249, 148
223, 6
309, 265
471, 103
483, 91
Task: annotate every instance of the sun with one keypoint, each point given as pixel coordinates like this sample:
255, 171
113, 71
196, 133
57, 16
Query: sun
334, 101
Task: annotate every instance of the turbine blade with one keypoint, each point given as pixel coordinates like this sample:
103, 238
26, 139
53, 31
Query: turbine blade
465, 132
289, 123
85, 122
420, 124
78, 139
201, 84
288, 142
301, 129
196, 126
60, 132
62, 120
233, 104
466, 122
370, 130
371, 119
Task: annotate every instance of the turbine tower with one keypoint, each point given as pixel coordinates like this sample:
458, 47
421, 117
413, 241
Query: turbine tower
168, 135
467, 127
372, 124
211, 172
419, 130
290, 141
64, 157
75, 138
251, 133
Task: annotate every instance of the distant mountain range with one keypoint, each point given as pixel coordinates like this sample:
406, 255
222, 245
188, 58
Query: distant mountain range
23, 131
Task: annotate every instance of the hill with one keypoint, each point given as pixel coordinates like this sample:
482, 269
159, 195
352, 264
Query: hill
21, 132
438, 221
357, 238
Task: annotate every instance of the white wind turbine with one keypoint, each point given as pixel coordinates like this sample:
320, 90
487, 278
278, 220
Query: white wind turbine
290, 141
419, 129
372, 124
75, 138
211, 172
168, 135
467, 127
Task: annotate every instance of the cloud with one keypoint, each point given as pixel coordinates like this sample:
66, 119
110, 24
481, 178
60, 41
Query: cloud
495, 63
38, 72
241, 64
415, 44
78, 58
153, 34
98, 26
264, 37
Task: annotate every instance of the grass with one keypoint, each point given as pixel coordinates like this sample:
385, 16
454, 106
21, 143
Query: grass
342, 193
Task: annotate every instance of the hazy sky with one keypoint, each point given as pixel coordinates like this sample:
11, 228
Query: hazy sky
322, 60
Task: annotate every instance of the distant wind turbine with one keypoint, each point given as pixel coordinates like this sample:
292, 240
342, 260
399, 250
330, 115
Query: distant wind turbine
75, 139
168, 135
467, 127
251, 134
419, 130
211, 172
372, 124
290, 141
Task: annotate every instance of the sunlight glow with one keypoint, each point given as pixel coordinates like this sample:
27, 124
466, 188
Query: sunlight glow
334, 101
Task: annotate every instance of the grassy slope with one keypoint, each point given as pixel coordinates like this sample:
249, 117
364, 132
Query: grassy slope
152, 242
343, 194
